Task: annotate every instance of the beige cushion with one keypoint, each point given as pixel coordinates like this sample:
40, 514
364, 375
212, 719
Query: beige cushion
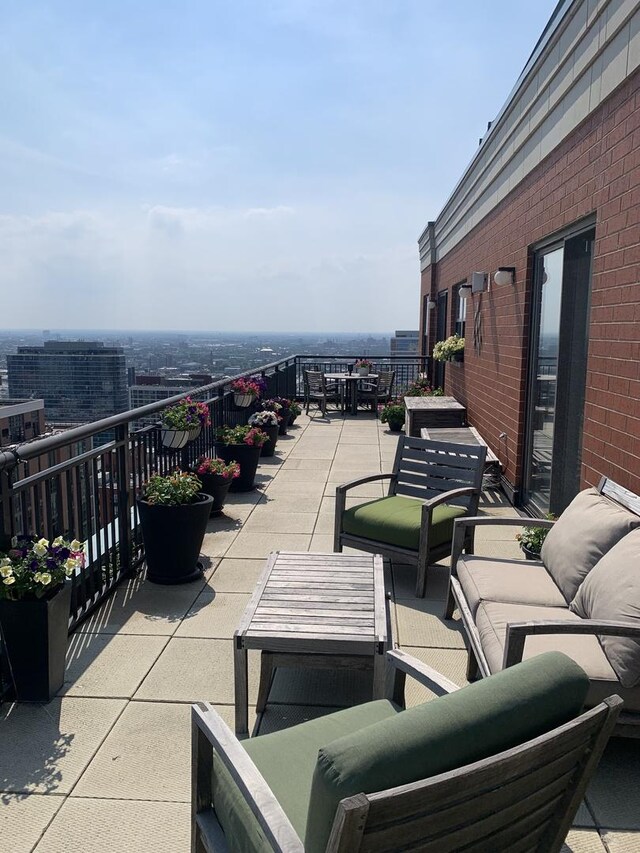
511, 581
588, 528
611, 591
492, 619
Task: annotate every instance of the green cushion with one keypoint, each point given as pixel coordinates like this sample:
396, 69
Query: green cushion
480, 720
287, 760
396, 521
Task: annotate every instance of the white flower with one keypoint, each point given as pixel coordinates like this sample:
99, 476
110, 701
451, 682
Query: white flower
69, 571
6, 571
40, 548
57, 541
45, 578
9, 581
5, 561
71, 565
76, 545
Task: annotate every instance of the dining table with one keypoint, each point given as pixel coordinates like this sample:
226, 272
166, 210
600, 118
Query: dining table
351, 385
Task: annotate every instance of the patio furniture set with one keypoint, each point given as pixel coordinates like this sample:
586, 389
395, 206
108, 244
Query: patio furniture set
466, 770
348, 390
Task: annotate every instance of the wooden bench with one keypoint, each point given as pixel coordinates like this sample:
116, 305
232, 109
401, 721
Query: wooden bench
433, 412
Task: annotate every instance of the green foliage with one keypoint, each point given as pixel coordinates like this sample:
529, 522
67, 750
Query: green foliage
174, 489
445, 350
35, 567
241, 435
393, 412
295, 409
532, 537
422, 388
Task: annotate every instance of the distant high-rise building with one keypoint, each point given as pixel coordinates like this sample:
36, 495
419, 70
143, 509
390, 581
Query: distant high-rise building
20, 420
152, 388
405, 342
80, 381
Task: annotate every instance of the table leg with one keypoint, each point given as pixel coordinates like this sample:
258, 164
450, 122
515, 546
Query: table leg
354, 397
266, 674
241, 688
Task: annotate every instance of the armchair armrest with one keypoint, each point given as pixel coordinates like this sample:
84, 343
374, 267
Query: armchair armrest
446, 496
209, 732
400, 664
361, 480
460, 526
517, 633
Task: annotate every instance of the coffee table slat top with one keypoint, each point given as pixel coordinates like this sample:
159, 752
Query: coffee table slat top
337, 597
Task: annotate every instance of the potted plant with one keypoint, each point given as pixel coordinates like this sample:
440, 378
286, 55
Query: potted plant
34, 612
282, 407
216, 476
173, 513
363, 366
183, 422
268, 423
422, 388
241, 444
294, 411
245, 391
452, 349
532, 538
393, 413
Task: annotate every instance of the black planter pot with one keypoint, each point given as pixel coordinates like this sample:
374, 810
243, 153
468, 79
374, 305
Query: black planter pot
172, 539
217, 486
269, 447
530, 555
35, 635
247, 456
285, 415
395, 426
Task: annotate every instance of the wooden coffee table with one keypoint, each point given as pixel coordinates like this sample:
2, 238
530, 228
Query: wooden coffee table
312, 610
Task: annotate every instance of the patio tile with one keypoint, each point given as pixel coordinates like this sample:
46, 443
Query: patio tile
404, 581
368, 491
420, 623
326, 453
100, 825
339, 475
45, 748
614, 793
214, 615
216, 543
324, 524
583, 816
583, 841
621, 842
141, 607
191, 670
333, 687
306, 465
23, 820
260, 544
299, 475
235, 575
268, 518
109, 665
322, 543
449, 662
302, 487
294, 502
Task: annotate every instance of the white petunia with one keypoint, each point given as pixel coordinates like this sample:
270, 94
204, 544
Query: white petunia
76, 545
6, 571
9, 581
45, 578
57, 541
40, 548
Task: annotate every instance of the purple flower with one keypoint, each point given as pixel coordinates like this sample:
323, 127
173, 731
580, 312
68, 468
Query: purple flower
63, 554
51, 564
34, 565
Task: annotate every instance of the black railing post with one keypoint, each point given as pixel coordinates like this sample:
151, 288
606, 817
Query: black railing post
124, 468
6, 516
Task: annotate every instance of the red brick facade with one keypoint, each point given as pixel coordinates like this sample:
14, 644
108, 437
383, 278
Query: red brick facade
594, 171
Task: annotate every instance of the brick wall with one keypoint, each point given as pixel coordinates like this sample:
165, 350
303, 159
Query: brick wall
596, 170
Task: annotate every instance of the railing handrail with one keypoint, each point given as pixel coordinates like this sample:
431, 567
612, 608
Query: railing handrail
37, 447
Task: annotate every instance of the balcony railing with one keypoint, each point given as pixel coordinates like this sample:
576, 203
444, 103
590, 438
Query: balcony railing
63, 485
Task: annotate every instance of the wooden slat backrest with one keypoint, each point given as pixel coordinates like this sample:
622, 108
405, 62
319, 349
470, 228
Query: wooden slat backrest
426, 469
385, 381
620, 495
522, 799
315, 381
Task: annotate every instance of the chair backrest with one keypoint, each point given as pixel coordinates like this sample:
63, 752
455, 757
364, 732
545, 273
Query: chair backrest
385, 381
522, 800
315, 381
424, 469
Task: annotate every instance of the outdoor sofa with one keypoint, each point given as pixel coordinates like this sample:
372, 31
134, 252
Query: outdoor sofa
582, 598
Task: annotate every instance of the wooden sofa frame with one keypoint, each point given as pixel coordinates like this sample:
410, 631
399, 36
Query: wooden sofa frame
629, 722
523, 798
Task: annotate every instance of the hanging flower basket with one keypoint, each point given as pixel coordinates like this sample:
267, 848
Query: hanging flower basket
243, 400
174, 439
194, 432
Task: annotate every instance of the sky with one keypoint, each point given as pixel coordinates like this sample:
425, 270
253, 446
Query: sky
238, 165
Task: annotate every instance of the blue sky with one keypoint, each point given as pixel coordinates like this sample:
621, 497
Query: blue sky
242, 165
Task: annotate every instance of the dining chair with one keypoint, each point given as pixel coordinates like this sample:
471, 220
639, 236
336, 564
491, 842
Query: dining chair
316, 389
378, 391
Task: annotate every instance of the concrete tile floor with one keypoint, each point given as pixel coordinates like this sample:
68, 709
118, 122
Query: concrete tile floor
105, 767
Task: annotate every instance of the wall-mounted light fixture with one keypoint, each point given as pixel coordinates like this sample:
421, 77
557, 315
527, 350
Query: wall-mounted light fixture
505, 275
430, 304
464, 291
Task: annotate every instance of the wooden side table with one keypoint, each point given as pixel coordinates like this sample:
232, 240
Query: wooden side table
313, 610
433, 412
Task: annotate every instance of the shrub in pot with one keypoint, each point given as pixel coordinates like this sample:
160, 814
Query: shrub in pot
452, 349
294, 411
268, 423
35, 595
243, 445
216, 476
245, 391
283, 412
393, 413
422, 388
532, 538
174, 513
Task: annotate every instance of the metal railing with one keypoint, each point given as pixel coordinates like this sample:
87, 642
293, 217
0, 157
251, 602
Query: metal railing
62, 485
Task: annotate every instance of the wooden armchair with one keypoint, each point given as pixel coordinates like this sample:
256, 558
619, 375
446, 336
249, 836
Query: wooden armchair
432, 484
467, 770
378, 391
316, 389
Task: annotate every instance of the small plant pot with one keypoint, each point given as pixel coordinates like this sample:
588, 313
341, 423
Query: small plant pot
247, 456
269, 447
242, 401
363, 371
35, 635
217, 486
529, 554
174, 438
285, 416
457, 356
173, 538
194, 432
395, 426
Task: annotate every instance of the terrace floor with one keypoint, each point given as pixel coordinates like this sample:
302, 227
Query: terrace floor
105, 766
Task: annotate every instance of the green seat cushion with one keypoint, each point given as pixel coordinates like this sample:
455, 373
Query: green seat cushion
485, 718
396, 521
287, 760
